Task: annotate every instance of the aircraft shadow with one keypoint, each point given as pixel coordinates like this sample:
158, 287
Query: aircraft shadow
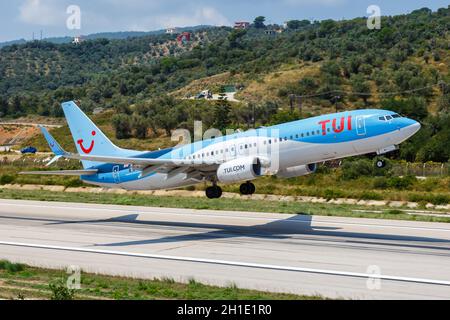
299, 227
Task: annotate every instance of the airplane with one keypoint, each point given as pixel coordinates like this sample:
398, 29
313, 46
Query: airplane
286, 150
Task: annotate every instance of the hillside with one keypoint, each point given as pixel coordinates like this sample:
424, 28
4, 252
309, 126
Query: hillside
402, 67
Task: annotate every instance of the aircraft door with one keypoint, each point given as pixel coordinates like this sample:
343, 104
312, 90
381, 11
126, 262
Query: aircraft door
361, 126
116, 174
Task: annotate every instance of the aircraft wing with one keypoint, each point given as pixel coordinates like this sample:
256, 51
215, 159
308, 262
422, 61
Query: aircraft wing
89, 172
144, 162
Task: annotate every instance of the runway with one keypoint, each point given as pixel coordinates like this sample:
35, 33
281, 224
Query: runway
332, 256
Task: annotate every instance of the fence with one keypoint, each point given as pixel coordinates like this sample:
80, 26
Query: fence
421, 169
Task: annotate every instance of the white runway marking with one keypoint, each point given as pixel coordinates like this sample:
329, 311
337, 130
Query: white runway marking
230, 263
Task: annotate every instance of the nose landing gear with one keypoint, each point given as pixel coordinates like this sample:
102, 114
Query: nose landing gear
380, 163
247, 188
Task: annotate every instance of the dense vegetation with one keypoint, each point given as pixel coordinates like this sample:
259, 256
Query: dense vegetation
402, 67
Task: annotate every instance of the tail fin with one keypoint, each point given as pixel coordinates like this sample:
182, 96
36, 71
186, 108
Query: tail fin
53, 144
89, 139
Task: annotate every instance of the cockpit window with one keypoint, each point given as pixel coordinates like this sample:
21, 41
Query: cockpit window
396, 116
382, 119
388, 118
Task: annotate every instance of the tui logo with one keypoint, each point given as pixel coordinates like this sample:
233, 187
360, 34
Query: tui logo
83, 148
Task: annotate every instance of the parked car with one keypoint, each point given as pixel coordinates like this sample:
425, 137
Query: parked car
26, 150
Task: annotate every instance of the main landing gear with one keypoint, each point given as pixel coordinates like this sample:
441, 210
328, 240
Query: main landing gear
214, 192
247, 188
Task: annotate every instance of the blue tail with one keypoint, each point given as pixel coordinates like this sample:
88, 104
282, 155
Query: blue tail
89, 139
52, 143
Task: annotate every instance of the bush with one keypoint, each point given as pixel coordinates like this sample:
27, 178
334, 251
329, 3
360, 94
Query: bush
370, 195
11, 267
6, 179
380, 183
333, 194
60, 291
401, 183
423, 199
355, 169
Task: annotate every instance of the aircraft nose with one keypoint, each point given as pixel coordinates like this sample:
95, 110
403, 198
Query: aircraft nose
415, 126
412, 127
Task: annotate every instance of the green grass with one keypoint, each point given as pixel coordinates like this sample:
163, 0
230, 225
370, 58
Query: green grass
340, 210
26, 282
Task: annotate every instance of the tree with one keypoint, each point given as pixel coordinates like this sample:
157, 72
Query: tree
297, 24
259, 22
140, 126
123, 88
222, 115
235, 36
360, 86
3, 106
122, 126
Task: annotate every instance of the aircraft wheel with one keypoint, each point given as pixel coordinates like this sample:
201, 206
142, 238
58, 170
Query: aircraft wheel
210, 194
247, 188
214, 192
218, 192
380, 164
252, 188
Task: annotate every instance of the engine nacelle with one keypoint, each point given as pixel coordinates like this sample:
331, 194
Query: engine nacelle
297, 171
242, 169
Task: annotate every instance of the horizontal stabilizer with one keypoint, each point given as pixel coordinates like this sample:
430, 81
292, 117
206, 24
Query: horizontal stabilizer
63, 172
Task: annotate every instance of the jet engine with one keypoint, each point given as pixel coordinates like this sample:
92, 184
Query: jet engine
242, 169
297, 171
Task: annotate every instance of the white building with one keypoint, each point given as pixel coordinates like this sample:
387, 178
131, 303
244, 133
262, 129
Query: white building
171, 30
77, 40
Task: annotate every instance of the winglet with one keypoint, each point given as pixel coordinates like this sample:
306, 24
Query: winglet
54, 145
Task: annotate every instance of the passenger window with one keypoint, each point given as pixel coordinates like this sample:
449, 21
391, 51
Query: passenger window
296, 136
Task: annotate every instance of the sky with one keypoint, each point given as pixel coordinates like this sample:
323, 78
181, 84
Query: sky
20, 18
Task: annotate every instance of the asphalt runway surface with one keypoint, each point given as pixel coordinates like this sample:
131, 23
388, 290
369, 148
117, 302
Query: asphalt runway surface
331, 256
